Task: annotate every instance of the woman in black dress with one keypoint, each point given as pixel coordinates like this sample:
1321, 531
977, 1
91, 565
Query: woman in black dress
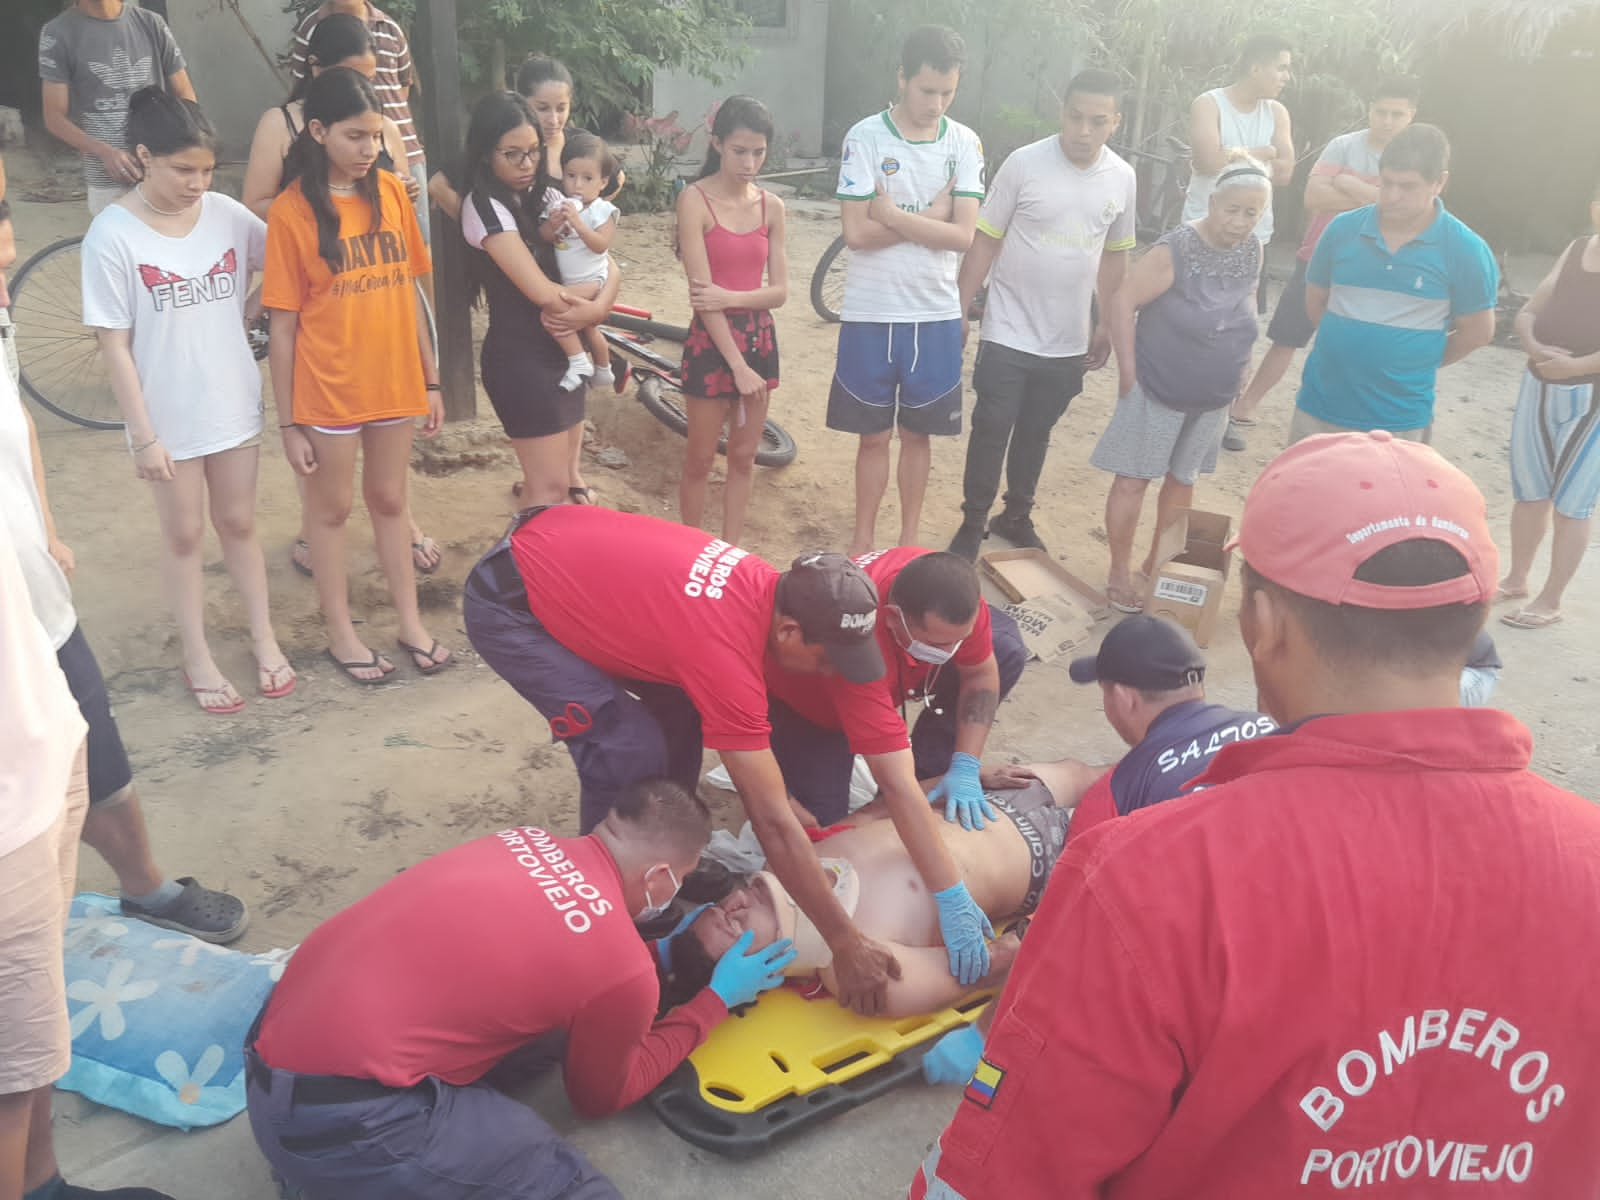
514, 269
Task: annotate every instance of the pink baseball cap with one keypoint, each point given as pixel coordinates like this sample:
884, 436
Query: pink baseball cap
1329, 503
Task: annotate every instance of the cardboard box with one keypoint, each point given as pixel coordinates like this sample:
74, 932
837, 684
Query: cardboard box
1024, 574
1051, 625
1191, 572
1055, 611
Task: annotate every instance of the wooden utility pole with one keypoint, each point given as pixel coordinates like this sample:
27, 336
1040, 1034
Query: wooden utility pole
434, 50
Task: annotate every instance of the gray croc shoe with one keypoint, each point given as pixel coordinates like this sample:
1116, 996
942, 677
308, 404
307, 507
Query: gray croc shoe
208, 915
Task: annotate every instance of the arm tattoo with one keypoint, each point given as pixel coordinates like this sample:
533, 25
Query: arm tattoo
978, 708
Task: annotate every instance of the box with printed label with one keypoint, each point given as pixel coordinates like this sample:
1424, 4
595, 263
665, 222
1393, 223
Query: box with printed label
1191, 571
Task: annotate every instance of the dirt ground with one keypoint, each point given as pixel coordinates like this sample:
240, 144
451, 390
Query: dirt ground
303, 805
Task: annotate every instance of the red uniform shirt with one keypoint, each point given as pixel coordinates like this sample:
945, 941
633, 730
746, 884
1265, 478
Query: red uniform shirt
467, 956
869, 713
1361, 960
642, 598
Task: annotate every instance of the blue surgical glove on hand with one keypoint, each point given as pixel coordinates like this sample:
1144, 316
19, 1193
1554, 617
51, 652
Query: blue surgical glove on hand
961, 793
965, 931
739, 977
954, 1057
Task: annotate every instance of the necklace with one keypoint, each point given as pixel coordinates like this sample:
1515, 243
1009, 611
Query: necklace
342, 187
145, 200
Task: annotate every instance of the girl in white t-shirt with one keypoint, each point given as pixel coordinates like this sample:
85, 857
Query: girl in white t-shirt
166, 270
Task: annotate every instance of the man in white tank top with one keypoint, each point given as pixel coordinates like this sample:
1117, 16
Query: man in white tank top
1244, 118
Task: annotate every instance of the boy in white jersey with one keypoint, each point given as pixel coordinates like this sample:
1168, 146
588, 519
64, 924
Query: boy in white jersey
1243, 120
1054, 235
910, 182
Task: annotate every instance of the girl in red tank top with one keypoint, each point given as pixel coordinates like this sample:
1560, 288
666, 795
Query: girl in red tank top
729, 230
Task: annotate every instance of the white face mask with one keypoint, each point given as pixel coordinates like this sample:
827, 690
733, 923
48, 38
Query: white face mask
921, 651
651, 910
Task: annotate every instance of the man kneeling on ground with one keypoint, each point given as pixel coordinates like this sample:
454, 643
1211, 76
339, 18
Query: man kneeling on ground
365, 1074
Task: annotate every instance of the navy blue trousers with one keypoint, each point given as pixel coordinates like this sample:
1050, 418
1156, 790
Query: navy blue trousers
618, 731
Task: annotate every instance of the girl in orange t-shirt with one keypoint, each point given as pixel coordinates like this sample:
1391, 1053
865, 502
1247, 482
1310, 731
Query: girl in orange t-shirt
352, 363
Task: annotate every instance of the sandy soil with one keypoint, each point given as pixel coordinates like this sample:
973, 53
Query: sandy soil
303, 805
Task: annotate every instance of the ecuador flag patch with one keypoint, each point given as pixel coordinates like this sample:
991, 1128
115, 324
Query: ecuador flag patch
986, 1081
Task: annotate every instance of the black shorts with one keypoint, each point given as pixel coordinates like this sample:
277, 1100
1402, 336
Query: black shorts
705, 372
1043, 826
1290, 325
523, 379
109, 769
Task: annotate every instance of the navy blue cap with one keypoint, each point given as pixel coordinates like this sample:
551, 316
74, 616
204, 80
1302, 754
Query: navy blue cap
1146, 652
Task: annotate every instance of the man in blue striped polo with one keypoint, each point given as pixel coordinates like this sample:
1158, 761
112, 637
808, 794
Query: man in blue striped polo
1396, 291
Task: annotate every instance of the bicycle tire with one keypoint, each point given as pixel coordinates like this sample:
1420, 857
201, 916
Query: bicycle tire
659, 398
57, 356
673, 333
827, 281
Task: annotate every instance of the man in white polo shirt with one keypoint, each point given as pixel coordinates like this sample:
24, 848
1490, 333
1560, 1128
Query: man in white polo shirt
1054, 233
910, 182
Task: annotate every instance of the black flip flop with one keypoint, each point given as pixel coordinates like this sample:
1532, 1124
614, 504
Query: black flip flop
418, 652
583, 495
350, 669
300, 543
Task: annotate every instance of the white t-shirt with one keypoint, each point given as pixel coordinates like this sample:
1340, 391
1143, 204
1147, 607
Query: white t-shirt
184, 300
574, 260
1249, 130
905, 282
42, 728
23, 519
1055, 220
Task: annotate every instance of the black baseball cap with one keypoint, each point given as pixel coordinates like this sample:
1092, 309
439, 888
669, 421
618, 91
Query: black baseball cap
836, 603
1144, 652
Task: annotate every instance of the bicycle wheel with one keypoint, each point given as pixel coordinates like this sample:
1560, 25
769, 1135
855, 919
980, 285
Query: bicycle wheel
827, 281
664, 402
59, 358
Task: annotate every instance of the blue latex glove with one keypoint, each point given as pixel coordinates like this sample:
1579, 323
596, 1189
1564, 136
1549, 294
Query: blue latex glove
965, 931
961, 793
954, 1057
739, 977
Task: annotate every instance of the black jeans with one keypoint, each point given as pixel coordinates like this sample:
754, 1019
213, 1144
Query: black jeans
1020, 398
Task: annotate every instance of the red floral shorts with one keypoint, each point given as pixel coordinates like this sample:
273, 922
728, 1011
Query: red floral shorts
704, 371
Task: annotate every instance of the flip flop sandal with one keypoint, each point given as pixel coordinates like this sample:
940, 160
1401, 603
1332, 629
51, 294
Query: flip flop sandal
516, 488
275, 690
1503, 594
214, 710
1130, 606
199, 911
431, 654
1524, 619
303, 568
583, 495
420, 550
350, 669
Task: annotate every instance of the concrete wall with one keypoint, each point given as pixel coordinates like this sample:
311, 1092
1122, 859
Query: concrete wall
232, 76
785, 71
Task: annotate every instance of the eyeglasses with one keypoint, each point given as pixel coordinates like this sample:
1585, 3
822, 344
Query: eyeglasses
520, 158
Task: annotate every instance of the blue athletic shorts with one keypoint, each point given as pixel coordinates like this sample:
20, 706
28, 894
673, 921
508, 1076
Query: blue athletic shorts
906, 373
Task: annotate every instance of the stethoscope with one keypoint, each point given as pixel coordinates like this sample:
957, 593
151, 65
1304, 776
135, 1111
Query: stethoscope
926, 695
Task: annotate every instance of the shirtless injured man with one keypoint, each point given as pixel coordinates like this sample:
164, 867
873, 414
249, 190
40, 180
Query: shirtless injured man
1006, 865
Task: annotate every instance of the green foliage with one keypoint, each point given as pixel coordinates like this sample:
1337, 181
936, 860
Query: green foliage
612, 47
654, 188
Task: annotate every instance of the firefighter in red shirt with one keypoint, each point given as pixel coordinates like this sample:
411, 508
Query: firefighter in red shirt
365, 1072
953, 660
1359, 957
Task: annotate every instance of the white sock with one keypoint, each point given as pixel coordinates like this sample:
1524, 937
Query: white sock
579, 368
603, 377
